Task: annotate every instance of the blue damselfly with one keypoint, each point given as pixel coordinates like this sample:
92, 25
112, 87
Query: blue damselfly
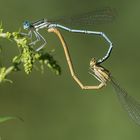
90, 18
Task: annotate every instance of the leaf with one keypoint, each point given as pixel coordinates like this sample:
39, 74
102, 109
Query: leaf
7, 118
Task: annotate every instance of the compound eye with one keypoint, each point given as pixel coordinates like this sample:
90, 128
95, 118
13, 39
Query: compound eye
26, 25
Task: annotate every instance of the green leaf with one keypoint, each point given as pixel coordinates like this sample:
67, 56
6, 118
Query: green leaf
27, 56
7, 118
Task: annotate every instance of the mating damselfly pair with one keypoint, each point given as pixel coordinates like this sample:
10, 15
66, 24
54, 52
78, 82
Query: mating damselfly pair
99, 72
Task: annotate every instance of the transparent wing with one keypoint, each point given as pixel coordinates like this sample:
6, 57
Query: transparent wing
129, 103
94, 17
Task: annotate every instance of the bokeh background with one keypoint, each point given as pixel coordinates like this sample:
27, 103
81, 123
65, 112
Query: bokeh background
54, 107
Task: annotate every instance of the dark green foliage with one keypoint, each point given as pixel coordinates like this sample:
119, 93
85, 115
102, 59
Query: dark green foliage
27, 57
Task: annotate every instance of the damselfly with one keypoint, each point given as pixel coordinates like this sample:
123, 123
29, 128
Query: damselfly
130, 104
97, 16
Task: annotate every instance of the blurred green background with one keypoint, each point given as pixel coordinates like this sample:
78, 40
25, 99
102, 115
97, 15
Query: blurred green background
54, 107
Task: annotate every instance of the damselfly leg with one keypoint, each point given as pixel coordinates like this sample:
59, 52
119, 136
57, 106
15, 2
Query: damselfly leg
38, 38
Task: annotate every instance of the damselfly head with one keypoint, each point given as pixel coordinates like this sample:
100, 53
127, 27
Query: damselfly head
92, 62
26, 25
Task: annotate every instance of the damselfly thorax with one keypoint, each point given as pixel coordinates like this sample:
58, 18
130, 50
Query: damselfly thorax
99, 72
